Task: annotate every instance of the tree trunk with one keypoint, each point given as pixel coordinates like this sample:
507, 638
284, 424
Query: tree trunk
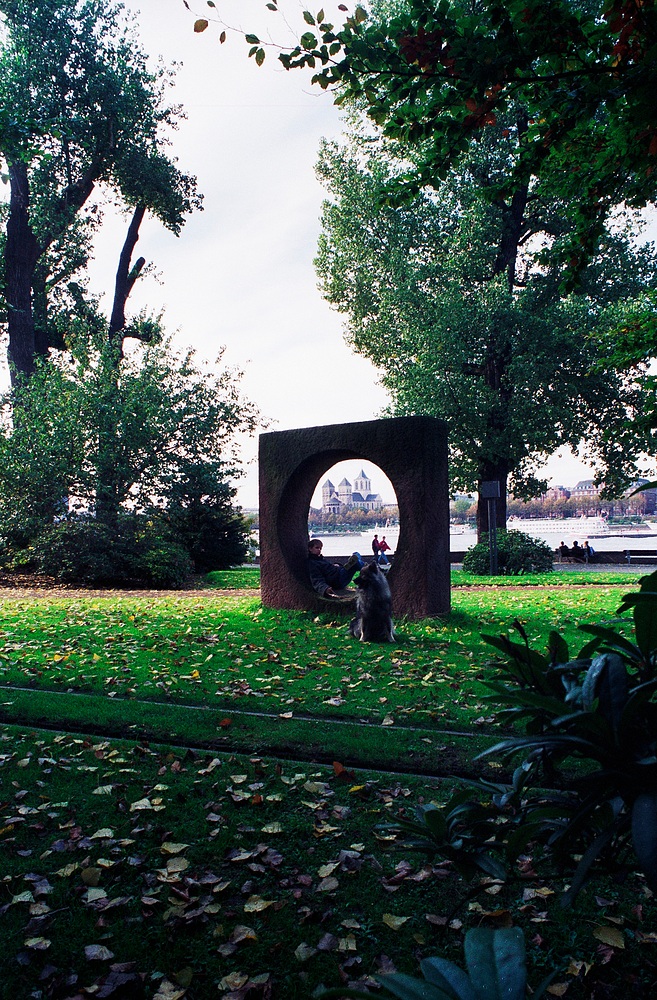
108, 472
21, 256
125, 275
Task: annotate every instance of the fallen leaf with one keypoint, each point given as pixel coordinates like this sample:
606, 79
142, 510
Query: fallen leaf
242, 933
256, 904
168, 991
609, 935
170, 848
97, 953
304, 951
393, 922
91, 876
272, 827
328, 884
37, 944
233, 981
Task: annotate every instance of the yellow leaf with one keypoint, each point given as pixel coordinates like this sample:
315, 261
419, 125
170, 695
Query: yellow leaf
103, 834
177, 865
23, 897
393, 922
388, 721
93, 895
167, 991
103, 790
168, 847
304, 952
272, 828
256, 904
328, 885
325, 870
91, 876
67, 870
557, 989
610, 935
242, 933
37, 943
140, 805
233, 982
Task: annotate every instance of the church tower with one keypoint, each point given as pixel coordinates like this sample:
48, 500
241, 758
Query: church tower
363, 485
344, 492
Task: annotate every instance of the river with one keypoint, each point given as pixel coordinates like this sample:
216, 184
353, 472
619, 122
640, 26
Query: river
603, 537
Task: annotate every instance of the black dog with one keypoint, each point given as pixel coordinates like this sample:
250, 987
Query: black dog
373, 621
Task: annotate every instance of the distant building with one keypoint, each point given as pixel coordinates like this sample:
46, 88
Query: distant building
557, 493
360, 495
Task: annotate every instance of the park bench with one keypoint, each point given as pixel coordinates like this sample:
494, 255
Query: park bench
640, 556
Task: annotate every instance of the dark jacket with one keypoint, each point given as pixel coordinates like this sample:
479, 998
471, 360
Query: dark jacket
324, 574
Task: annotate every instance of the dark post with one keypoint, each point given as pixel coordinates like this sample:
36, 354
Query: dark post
490, 491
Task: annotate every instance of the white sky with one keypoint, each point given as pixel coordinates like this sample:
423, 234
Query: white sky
241, 273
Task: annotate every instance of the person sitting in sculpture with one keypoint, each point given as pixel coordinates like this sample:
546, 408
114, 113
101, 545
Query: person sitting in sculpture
327, 577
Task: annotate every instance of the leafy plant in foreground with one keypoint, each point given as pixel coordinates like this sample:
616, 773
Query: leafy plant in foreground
495, 970
598, 712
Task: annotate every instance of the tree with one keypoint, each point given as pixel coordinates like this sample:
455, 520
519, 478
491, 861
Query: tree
438, 74
450, 298
84, 110
174, 455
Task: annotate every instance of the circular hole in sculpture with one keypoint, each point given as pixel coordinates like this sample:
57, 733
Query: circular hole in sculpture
352, 503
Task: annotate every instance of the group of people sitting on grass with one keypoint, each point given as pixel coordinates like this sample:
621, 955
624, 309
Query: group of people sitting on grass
578, 553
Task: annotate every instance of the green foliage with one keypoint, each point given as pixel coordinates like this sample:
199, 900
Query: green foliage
201, 515
463, 830
136, 551
517, 553
87, 111
437, 76
446, 295
152, 432
600, 712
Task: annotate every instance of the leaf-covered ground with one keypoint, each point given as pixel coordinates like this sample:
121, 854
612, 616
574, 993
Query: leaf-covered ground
137, 870
230, 652
147, 871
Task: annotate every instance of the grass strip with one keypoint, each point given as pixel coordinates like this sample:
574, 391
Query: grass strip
396, 749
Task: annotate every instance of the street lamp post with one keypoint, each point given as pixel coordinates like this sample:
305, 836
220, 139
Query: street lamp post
490, 491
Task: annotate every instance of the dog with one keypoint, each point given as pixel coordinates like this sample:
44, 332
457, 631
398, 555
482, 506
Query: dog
373, 621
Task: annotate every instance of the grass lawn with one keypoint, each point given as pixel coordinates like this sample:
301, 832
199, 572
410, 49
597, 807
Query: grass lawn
184, 862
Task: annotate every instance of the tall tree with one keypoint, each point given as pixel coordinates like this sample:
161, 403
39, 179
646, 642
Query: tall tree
448, 296
84, 110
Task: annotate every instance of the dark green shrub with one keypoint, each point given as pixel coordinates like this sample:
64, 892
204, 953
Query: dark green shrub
79, 550
215, 538
137, 551
516, 553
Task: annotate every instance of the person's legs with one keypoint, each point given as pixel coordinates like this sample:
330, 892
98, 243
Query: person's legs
350, 568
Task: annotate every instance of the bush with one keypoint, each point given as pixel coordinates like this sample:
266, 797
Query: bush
215, 538
138, 552
516, 553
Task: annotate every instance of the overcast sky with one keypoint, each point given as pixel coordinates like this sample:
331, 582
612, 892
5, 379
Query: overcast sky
241, 273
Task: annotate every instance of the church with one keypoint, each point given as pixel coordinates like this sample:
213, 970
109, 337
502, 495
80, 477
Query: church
361, 496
